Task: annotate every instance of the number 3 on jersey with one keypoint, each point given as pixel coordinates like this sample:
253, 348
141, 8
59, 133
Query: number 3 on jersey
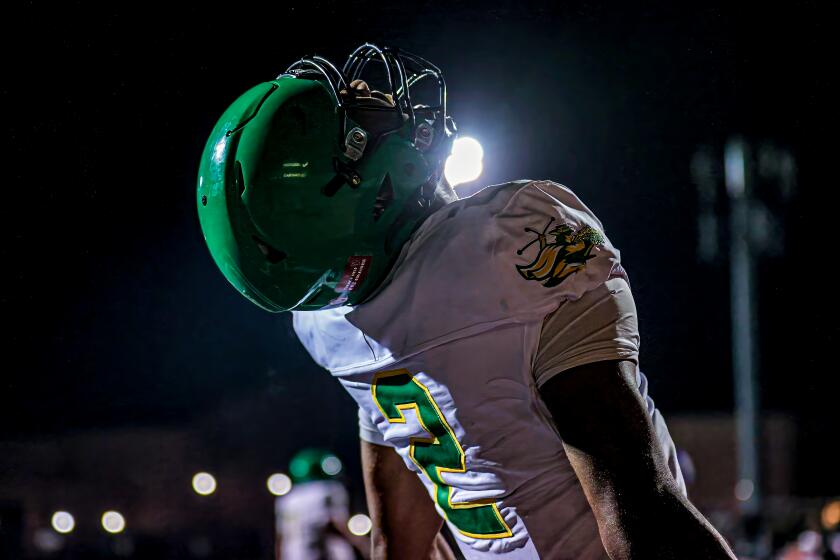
397, 391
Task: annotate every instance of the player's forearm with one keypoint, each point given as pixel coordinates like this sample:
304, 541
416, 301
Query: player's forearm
382, 548
661, 524
405, 522
611, 443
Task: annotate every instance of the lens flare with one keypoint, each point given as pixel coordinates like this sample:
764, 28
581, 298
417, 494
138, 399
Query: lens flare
831, 515
359, 524
279, 484
63, 522
331, 465
113, 522
204, 483
744, 489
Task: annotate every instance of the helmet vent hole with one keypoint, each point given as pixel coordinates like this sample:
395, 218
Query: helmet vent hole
384, 198
271, 254
240, 180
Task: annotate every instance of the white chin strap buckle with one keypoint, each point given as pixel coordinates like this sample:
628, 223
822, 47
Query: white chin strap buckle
424, 136
354, 143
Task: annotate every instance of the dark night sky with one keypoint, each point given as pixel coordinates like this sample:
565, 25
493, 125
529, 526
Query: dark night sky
114, 313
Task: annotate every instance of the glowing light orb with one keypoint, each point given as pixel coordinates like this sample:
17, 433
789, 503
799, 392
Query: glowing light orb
204, 483
113, 522
331, 465
465, 162
831, 515
63, 522
744, 489
279, 484
359, 524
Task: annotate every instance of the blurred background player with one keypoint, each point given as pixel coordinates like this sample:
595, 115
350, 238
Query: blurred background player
311, 519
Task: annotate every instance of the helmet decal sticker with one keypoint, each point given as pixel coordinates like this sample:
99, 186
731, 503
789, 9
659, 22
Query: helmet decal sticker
355, 272
295, 169
561, 257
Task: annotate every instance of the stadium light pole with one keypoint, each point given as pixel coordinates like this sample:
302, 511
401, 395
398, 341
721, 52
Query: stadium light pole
737, 177
752, 230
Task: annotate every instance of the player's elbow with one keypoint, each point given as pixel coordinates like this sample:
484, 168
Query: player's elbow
626, 515
652, 519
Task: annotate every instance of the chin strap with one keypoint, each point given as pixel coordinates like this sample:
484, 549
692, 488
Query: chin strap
344, 174
425, 203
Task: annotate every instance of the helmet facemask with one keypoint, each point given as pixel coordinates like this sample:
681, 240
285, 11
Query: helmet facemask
402, 74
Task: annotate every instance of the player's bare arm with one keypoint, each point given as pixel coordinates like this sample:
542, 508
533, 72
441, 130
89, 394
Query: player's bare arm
405, 523
611, 444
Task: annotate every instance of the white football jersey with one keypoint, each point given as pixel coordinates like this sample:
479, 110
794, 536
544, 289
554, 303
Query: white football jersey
442, 362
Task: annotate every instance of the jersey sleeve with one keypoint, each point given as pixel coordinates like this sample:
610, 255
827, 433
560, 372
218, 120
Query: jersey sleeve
368, 431
552, 245
601, 325
509, 254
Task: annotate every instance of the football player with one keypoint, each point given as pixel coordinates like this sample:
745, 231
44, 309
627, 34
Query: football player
311, 518
491, 342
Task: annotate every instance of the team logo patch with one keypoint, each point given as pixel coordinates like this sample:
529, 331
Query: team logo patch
561, 256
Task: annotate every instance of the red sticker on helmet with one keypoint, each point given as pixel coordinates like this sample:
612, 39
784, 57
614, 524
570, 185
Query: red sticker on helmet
355, 272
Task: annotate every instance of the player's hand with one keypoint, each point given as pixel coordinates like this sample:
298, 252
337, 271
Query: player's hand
360, 91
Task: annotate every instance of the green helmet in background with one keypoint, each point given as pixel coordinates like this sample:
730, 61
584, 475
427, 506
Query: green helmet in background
307, 194
314, 464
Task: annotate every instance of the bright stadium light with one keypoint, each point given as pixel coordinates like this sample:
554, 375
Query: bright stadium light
465, 162
204, 483
279, 484
331, 465
63, 522
113, 522
359, 524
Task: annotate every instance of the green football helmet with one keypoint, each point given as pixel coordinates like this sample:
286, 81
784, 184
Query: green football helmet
306, 193
314, 464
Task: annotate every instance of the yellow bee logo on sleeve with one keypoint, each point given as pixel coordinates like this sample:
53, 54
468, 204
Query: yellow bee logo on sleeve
561, 256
